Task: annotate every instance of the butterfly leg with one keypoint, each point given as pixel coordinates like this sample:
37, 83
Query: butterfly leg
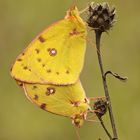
96, 98
77, 132
92, 118
89, 120
94, 111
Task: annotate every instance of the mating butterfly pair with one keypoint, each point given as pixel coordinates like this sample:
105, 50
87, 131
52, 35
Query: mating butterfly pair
49, 68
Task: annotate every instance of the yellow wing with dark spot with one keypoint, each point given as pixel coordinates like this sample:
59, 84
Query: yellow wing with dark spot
62, 100
56, 56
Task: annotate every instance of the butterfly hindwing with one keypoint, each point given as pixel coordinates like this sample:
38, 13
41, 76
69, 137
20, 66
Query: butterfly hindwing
62, 100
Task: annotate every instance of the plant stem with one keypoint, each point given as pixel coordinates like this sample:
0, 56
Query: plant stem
98, 38
102, 123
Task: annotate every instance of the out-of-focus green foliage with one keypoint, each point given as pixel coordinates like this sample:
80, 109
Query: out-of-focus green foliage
20, 22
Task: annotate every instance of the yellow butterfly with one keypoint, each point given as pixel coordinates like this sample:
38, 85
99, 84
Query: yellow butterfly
69, 101
55, 56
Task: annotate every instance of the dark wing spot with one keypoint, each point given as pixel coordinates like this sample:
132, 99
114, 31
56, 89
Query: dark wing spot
41, 39
20, 84
57, 73
19, 59
25, 67
48, 49
23, 53
43, 65
86, 100
75, 32
35, 97
52, 51
37, 51
34, 87
49, 71
43, 106
39, 59
75, 103
67, 72
50, 91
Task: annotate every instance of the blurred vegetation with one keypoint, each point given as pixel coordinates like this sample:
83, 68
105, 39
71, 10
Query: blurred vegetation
20, 22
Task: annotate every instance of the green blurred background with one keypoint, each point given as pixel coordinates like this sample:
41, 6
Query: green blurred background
20, 22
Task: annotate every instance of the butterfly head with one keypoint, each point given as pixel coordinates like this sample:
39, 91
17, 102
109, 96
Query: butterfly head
73, 13
78, 119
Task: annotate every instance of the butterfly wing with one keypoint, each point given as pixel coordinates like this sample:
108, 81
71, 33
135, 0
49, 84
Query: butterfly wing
56, 56
62, 100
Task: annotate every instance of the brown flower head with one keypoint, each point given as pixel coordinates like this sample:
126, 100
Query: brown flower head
101, 107
101, 17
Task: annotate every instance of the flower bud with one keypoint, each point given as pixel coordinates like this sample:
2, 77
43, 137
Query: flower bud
101, 17
101, 107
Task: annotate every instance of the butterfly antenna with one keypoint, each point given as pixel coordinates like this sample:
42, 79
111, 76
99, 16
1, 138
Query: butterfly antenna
83, 10
92, 44
73, 4
77, 133
86, 9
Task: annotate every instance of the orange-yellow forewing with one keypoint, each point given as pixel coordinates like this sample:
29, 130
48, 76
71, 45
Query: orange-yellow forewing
56, 56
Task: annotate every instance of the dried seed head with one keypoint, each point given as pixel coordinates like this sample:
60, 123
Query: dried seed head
101, 107
101, 17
